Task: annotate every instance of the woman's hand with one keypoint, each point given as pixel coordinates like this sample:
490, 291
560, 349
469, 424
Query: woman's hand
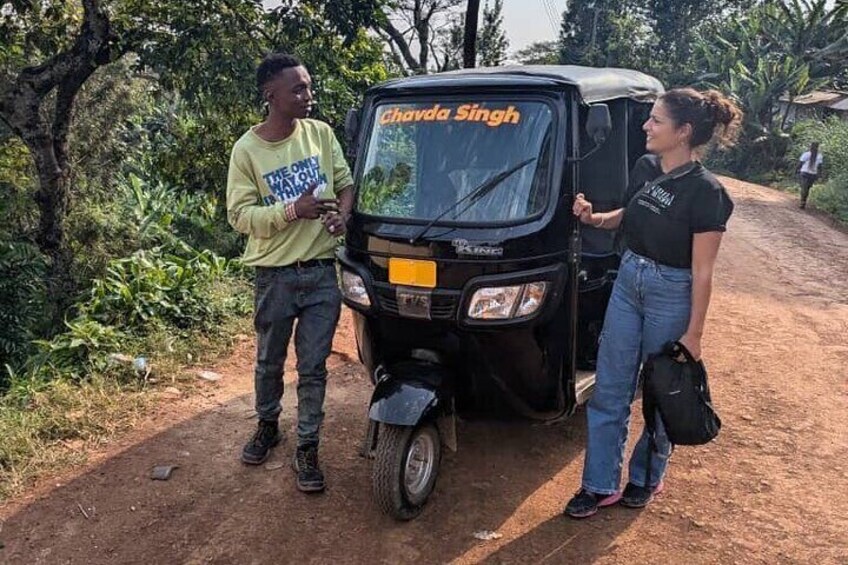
693, 344
583, 209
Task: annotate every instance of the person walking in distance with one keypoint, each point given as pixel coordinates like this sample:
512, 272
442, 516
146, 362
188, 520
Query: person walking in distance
289, 190
809, 166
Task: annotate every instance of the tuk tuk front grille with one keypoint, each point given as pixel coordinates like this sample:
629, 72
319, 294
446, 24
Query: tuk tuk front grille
443, 304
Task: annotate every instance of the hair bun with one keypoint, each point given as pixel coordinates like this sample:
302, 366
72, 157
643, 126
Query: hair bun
712, 115
723, 108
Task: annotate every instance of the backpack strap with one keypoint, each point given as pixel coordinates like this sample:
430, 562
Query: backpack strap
649, 413
676, 173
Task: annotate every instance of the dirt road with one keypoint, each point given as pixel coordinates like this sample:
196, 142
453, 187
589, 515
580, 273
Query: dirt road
772, 489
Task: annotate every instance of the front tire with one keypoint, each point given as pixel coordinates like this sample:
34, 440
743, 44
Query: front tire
406, 464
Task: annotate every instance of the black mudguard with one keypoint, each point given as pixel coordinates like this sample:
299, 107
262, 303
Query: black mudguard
401, 403
408, 393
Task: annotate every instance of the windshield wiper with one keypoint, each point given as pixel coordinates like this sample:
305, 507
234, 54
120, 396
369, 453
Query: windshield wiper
474, 196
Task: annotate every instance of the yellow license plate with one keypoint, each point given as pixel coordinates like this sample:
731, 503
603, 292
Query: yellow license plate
412, 272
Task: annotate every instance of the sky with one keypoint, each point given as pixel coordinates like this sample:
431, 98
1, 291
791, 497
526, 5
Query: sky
527, 21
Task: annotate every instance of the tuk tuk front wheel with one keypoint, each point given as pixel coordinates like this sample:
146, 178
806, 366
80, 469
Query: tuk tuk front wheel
406, 464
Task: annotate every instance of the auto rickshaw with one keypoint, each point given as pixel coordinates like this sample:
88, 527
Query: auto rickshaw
473, 287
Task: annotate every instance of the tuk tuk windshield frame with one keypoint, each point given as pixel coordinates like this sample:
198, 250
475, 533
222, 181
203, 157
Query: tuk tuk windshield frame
423, 153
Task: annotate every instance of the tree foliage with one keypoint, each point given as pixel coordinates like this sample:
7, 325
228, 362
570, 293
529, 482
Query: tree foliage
447, 56
539, 53
603, 33
199, 60
96, 92
776, 50
492, 41
655, 36
414, 32
21, 302
756, 50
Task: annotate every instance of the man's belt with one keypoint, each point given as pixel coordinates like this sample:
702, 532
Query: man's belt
311, 264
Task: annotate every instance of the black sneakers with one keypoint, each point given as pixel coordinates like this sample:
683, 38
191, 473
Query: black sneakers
585, 503
257, 450
305, 465
639, 497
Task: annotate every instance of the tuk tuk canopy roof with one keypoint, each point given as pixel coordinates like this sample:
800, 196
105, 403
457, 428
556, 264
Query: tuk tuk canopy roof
594, 84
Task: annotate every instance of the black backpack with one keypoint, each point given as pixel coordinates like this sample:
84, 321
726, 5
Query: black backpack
678, 390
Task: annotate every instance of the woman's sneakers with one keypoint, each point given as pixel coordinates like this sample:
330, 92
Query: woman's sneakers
639, 497
585, 503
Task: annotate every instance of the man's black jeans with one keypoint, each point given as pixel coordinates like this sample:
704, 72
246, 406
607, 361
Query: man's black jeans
311, 296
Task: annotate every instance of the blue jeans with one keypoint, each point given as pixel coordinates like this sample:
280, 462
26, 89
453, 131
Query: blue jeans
650, 306
311, 296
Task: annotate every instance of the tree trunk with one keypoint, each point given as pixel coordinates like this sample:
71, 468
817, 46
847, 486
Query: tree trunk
51, 162
52, 200
593, 38
22, 108
422, 28
469, 44
786, 112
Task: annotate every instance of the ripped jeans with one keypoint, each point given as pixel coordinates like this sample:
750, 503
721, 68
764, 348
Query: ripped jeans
650, 306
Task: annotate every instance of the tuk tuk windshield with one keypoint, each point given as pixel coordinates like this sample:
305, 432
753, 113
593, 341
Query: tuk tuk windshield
423, 158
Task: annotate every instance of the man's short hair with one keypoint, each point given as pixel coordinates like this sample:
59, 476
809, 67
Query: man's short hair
272, 65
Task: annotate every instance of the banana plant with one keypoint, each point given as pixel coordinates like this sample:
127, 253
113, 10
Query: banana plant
754, 60
812, 31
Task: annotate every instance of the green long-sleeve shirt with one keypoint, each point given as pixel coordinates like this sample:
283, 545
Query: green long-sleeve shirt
264, 176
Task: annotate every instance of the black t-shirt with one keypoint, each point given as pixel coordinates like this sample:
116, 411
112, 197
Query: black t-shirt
660, 220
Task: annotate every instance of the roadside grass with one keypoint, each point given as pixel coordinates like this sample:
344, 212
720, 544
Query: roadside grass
49, 425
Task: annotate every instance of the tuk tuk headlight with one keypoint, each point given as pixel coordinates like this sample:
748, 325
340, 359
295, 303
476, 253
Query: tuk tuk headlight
531, 298
506, 302
353, 288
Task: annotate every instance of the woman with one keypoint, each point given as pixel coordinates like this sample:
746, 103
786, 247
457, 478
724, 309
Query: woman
810, 164
674, 216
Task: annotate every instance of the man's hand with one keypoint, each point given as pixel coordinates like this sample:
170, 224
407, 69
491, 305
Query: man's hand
308, 207
335, 223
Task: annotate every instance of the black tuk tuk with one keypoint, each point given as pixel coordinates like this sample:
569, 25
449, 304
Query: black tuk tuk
473, 287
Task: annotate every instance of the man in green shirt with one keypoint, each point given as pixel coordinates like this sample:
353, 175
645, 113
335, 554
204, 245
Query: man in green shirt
290, 190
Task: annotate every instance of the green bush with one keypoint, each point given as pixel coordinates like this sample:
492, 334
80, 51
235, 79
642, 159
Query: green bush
160, 285
758, 156
17, 185
165, 216
143, 214
22, 270
154, 287
142, 297
76, 353
186, 154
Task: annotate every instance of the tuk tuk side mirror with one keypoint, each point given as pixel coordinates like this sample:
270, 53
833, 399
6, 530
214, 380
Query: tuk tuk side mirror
352, 130
598, 123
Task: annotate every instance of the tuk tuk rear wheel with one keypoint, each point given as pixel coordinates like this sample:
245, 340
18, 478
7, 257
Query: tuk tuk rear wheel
406, 464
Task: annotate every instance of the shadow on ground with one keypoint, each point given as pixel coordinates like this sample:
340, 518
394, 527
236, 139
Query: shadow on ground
216, 510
